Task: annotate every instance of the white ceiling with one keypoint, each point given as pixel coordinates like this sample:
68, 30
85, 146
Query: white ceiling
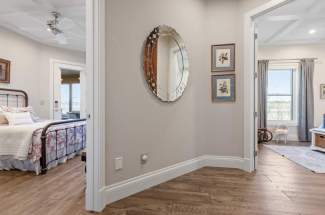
291, 24
29, 18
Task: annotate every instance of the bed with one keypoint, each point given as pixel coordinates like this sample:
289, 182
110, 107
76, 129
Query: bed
39, 146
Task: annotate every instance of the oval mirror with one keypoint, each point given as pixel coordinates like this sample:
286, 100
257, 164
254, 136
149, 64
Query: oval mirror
166, 64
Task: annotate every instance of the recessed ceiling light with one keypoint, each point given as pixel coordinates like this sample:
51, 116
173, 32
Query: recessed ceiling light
312, 31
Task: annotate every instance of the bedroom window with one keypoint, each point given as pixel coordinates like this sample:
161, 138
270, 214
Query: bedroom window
75, 97
70, 98
282, 95
65, 98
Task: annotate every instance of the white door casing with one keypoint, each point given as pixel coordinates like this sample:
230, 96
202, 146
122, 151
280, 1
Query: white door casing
256, 99
96, 103
55, 86
249, 69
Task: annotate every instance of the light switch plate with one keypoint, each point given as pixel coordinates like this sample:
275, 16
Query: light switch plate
118, 163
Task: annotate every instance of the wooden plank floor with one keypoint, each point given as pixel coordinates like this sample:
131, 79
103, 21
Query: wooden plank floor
279, 187
60, 191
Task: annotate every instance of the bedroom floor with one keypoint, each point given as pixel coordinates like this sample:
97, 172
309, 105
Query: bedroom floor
279, 187
60, 191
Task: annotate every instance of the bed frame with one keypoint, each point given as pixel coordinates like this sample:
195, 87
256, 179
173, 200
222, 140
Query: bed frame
12, 97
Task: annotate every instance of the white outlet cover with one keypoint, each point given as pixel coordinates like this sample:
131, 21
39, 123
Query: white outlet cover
118, 163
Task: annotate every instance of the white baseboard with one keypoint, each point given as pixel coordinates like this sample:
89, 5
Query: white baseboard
123, 189
227, 162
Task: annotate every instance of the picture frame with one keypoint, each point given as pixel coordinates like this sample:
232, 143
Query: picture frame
223, 58
223, 88
4, 71
322, 91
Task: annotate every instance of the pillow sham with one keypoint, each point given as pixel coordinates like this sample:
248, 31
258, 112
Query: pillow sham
20, 118
22, 109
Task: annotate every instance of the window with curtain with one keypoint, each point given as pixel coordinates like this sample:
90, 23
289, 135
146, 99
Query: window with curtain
282, 95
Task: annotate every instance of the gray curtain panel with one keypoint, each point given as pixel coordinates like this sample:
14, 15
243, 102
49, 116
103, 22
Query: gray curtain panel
262, 70
306, 99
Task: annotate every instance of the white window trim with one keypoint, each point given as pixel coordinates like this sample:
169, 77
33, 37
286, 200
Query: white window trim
295, 67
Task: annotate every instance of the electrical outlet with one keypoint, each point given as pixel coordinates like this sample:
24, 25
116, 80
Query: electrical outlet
119, 163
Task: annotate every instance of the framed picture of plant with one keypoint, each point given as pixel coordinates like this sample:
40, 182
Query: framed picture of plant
223, 88
223, 58
4, 71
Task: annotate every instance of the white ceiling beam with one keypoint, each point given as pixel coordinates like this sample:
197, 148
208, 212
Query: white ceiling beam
292, 25
295, 42
288, 28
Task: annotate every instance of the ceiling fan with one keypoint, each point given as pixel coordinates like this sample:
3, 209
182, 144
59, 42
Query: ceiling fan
53, 27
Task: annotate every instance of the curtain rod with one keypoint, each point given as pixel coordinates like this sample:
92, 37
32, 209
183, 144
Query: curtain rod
284, 59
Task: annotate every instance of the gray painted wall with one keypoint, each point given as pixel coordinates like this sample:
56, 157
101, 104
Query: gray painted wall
139, 123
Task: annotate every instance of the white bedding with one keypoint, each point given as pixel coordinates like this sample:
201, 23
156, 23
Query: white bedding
16, 140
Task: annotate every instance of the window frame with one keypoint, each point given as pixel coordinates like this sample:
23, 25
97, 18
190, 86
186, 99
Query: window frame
295, 87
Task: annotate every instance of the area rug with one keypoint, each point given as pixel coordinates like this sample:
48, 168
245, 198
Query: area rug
302, 155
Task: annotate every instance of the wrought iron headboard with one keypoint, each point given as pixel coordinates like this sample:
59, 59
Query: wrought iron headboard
10, 96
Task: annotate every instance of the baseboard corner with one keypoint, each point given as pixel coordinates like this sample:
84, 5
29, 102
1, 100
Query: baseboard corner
123, 189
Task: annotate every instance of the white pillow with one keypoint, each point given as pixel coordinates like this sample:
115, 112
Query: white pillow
21, 118
3, 119
19, 110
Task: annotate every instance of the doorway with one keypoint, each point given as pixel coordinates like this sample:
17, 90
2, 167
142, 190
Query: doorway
288, 33
68, 90
43, 16
250, 80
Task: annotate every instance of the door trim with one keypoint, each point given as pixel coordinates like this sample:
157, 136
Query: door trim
96, 103
249, 64
61, 64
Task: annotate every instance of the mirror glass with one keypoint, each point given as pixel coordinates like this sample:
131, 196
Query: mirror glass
166, 63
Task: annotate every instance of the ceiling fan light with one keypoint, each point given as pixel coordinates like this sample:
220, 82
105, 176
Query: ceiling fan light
312, 31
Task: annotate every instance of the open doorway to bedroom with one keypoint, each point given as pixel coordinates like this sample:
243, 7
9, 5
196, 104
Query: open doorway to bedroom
290, 51
40, 152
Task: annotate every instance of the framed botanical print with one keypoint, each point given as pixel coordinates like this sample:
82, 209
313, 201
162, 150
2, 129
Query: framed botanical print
4, 71
223, 88
322, 91
223, 58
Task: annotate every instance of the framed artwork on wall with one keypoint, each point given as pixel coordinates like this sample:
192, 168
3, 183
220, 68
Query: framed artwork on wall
223, 88
4, 71
322, 91
223, 58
